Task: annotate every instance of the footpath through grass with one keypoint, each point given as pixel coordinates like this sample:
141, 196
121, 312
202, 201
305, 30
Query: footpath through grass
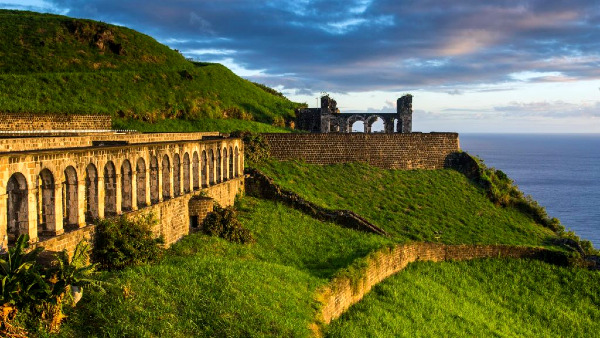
207, 286
421, 205
478, 298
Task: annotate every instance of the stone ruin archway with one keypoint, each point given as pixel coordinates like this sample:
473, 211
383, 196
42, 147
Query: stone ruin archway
186, 173
231, 162
204, 175
91, 193
166, 178
17, 212
211, 167
140, 184
45, 203
70, 198
176, 175
154, 180
110, 189
225, 167
126, 186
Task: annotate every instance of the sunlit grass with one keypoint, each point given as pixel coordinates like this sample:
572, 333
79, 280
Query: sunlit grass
478, 298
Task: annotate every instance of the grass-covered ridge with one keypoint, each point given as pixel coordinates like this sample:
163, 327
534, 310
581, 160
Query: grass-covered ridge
478, 298
51, 63
419, 205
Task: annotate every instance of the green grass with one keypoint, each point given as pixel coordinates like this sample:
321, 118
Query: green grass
174, 125
51, 63
209, 287
421, 205
478, 298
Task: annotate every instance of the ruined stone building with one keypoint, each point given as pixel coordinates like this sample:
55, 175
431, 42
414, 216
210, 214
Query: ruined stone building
59, 173
328, 119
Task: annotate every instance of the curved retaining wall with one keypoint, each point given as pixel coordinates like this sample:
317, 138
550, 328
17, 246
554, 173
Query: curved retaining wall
344, 291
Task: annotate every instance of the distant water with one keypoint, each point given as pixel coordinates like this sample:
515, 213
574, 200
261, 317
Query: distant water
561, 172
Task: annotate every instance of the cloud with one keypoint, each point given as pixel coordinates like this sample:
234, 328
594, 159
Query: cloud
366, 45
551, 109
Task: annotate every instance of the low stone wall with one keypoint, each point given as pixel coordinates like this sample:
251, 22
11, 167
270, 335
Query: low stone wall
30, 121
173, 217
262, 186
342, 292
390, 151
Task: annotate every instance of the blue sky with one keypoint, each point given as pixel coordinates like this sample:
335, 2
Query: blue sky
472, 66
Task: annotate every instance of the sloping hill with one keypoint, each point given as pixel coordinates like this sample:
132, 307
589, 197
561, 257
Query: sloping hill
51, 63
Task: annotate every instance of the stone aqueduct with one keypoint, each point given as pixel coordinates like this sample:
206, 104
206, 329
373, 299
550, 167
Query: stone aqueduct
49, 185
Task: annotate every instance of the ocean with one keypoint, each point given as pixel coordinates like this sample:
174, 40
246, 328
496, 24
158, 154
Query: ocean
560, 171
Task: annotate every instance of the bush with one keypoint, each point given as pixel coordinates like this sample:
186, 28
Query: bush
122, 242
223, 222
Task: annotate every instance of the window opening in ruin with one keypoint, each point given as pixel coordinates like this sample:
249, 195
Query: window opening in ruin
186, 173
204, 169
211, 167
110, 190
195, 171
237, 162
46, 206
176, 175
17, 213
166, 178
231, 162
219, 159
376, 125
126, 186
225, 167
140, 183
91, 193
154, 191
357, 127
70, 199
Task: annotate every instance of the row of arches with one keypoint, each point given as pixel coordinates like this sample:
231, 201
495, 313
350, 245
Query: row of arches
71, 198
352, 123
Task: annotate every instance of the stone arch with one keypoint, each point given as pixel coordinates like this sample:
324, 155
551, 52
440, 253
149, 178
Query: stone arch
126, 186
70, 198
237, 162
17, 208
140, 183
219, 166
231, 162
211, 167
195, 171
225, 167
166, 178
204, 175
45, 203
176, 175
373, 126
186, 173
91, 193
110, 189
154, 191
352, 120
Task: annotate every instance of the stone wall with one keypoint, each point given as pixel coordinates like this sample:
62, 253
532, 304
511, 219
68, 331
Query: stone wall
390, 151
30, 121
80, 141
173, 217
342, 292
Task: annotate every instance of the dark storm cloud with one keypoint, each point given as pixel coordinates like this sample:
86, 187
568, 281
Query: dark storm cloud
362, 45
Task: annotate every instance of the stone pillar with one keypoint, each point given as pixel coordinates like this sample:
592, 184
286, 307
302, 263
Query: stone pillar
404, 111
32, 215
58, 211
171, 179
367, 127
81, 203
134, 189
101, 196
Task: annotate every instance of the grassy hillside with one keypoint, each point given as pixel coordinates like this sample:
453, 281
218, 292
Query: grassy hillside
422, 205
479, 298
51, 63
209, 287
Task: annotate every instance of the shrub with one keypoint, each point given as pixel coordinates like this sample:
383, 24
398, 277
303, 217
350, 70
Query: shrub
122, 242
223, 222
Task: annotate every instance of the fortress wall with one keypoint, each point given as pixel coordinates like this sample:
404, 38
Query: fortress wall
61, 142
390, 151
172, 216
342, 292
30, 121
